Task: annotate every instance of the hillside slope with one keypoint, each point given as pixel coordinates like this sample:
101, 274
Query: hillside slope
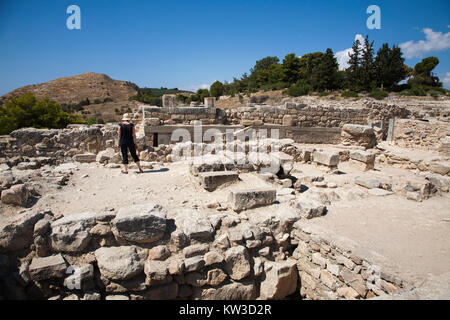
72, 90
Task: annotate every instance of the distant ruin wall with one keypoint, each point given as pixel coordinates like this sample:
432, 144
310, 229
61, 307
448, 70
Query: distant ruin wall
58, 143
289, 114
301, 115
180, 115
420, 134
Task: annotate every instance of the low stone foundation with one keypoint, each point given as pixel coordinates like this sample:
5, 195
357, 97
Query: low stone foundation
328, 271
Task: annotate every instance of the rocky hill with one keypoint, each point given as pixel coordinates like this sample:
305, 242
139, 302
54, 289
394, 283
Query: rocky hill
72, 90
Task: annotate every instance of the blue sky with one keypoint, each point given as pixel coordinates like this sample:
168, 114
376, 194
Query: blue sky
187, 44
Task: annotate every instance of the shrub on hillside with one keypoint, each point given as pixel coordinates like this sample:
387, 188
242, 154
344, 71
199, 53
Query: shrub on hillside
91, 120
434, 93
378, 94
84, 102
259, 99
416, 90
301, 88
349, 94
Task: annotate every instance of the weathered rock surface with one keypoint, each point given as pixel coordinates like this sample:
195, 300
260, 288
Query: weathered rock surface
71, 233
280, 280
17, 195
195, 225
159, 253
310, 208
232, 291
211, 180
215, 277
105, 156
237, 263
156, 272
47, 268
85, 158
195, 250
17, 234
163, 292
251, 198
354, 134
194, 263
326, 158
368, 183
140, 223
362, 160
120, 263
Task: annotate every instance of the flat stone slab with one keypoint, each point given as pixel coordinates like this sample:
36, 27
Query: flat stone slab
211, 180
48, 267
369, 183
326, 158
85, 157
362, 156
251, 198
210, 163
144, 223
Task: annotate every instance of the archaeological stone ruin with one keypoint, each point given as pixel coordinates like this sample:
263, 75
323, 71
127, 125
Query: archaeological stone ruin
292, 201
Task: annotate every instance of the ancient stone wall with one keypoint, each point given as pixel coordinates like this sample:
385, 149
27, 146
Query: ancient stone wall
301, 115
328, 271
178, 115
109, 255
58, 143
420, 134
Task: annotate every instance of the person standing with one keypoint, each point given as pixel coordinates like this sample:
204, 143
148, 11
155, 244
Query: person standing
127, 141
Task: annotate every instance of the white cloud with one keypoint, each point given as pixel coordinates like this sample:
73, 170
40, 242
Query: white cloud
342, 56
435, 41
446, 80
196, 87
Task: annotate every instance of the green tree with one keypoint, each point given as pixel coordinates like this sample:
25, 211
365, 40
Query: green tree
217, 89
353, 72
367, 66
422, 74
202, 94
325, 72
27, 111
291, 68
309, 70
266, 71
389, 66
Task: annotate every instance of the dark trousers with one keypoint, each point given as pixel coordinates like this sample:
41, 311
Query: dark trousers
124, 148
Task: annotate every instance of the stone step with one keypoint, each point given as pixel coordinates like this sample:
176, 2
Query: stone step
251, 198
326, 158
211, 180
